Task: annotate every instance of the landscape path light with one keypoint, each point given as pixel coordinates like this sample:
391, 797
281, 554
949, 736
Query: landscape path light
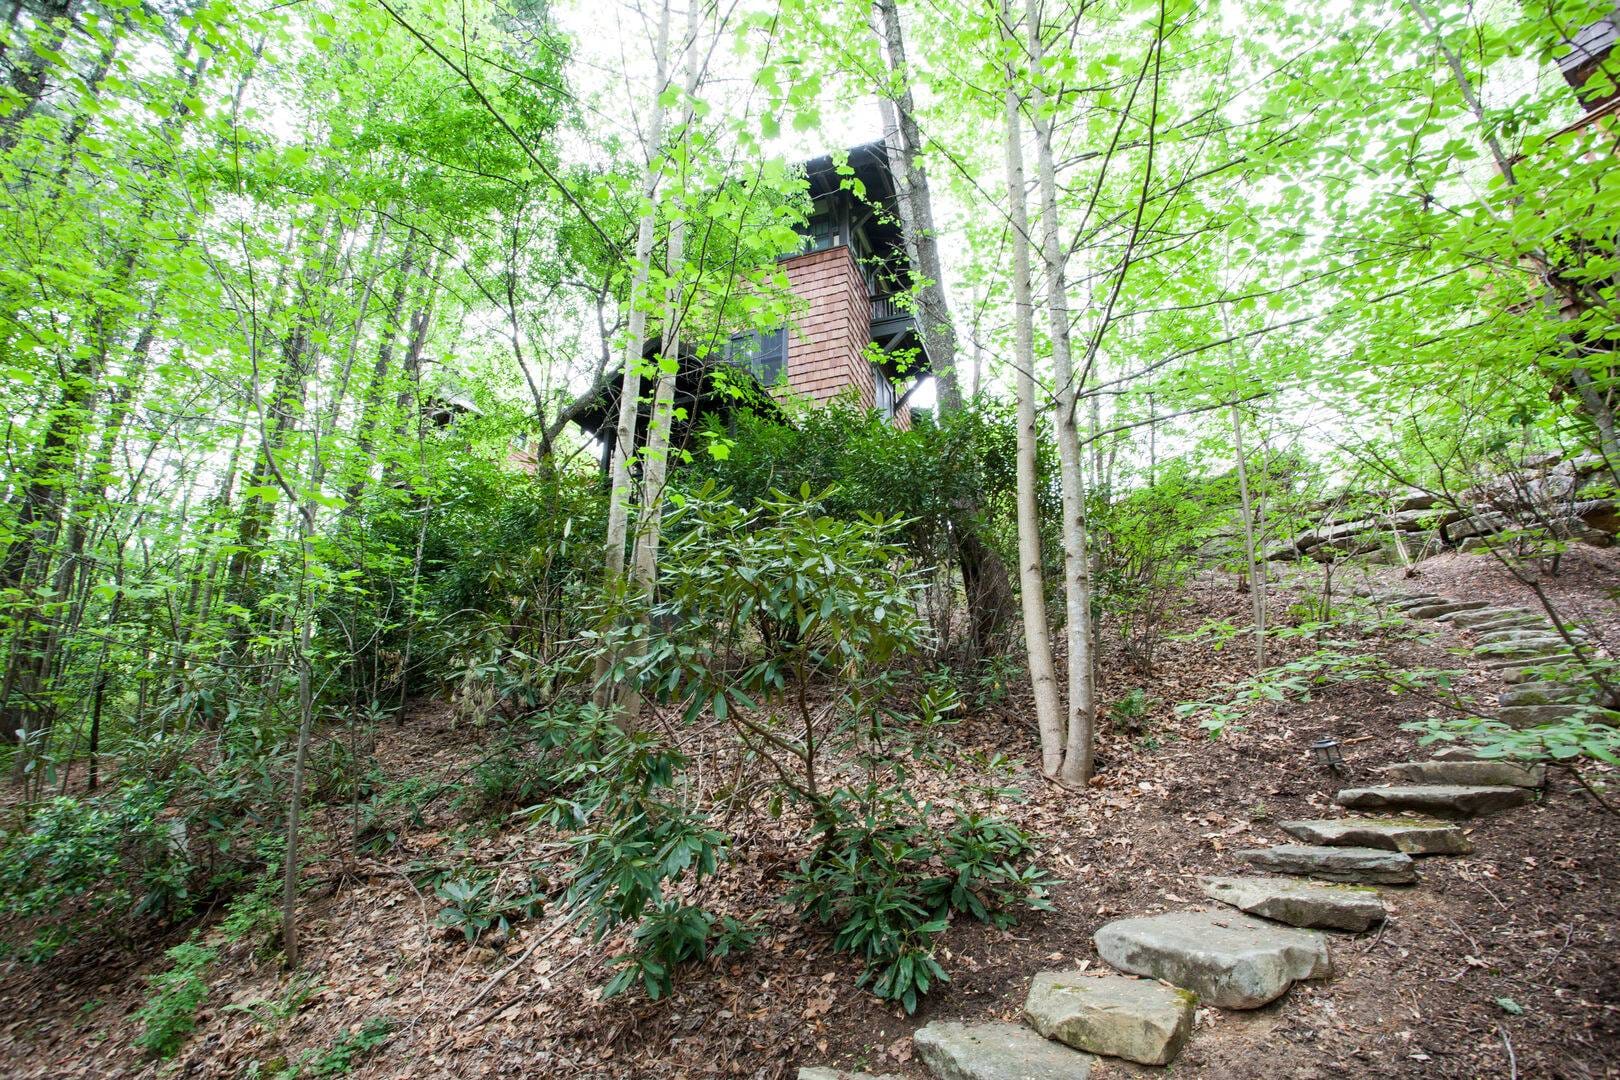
1326, 753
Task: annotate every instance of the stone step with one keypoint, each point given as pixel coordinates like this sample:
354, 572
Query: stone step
1479, 617
1529, 716
1442, 800
1113, 1015
1528, 636
823, 1072
1412, 836
1299, 903
1416, 600
1230, 960
1515, 622
1518, 669
1522, 648
1366, 866
1434, 611
1546, 693
1477, 773
996, 1051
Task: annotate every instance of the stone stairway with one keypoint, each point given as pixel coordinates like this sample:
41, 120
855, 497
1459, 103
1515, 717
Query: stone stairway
1271, 929
1516, 643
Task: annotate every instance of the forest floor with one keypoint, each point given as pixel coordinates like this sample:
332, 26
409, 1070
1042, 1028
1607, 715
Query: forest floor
1502, 963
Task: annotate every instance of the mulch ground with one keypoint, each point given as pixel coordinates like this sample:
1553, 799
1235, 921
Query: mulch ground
1501, 963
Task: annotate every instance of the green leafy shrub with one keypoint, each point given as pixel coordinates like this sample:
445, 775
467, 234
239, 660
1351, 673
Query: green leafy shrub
476, 901
758, 603
344, 767
78, 860
673, 934
170, 1013
255, 916
875, 877
1147, 545
1129, 713
507, 781
633, 838
349, 1050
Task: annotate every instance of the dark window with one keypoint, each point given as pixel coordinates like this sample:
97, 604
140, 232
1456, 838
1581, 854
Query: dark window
884, 392
821, 232
762, 352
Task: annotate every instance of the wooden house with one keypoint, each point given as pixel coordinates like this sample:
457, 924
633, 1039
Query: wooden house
846, 282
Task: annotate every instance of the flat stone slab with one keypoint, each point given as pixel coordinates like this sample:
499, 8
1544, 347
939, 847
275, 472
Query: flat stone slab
1228, 959
1434, 611
1443, 800
1527, 649
1545, 693
1299, 903
1512, 622
1485, 616
1412, 836
1526, 635
1528, 716
1418, 600
1136, 1019
1368, 866
822, 1072
955, 1051
1478, 773
1516, 669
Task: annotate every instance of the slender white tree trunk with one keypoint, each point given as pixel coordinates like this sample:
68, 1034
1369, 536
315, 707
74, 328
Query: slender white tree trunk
1257, 583
1032, 586
655, 456
624, 439
1081, 711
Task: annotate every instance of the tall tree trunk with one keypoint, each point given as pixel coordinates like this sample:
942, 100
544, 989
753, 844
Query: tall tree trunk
915, 208
624, 438
28, 77
984, 574
1049, 718
1257, 583
655, 459
372, 402
284, 408
1081, 713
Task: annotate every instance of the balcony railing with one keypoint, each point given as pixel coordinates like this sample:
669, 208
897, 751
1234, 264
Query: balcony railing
889, 307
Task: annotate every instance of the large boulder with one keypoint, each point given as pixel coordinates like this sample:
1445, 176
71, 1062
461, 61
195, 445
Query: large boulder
1442, 800
996, 1051
1136, 1019
1416, 501
1299, 903
1369, 866
1229, 960
1413, 836
1516, 669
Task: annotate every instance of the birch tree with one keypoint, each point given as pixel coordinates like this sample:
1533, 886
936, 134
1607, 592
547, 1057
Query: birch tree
621, 491
1049, 713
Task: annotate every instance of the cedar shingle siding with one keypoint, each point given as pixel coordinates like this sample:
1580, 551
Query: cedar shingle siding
825, 346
